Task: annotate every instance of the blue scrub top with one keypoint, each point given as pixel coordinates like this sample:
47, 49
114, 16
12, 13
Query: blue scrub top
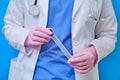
52, 63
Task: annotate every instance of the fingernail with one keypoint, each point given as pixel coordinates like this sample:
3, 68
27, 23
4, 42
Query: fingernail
51, 29
70, 60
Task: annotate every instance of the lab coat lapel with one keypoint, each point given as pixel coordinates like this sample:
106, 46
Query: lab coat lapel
77, 5
44, 4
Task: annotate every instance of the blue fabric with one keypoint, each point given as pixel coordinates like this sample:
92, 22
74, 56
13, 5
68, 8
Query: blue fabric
52, 63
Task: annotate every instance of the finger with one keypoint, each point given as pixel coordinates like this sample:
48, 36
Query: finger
80, 64
77, 59
42, 35
81, 68
34, 43
44, 30
39, 39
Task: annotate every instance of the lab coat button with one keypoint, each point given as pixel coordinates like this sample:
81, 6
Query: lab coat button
89, 15
102, 19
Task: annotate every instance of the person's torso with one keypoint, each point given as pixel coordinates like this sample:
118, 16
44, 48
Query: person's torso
83, 25
52, 63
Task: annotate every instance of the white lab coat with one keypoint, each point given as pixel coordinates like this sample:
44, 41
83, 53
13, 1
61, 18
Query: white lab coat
92, 24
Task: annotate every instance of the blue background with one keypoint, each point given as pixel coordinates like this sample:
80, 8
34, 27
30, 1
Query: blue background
109, 67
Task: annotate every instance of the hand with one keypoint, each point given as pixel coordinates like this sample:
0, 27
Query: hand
84, 60
38, 36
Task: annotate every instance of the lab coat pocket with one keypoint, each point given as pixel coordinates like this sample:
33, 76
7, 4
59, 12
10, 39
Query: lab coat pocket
16, 69
91, 22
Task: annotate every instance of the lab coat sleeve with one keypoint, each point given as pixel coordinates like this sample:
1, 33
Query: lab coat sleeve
105, 31
14, 29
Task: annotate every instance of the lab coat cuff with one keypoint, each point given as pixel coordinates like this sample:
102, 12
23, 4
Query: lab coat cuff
98, 48
26, 50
